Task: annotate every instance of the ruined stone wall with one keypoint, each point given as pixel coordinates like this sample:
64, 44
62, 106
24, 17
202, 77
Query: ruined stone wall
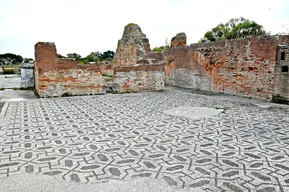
57, 83
140, 78
241, 67
56, 77
132, 47
281, 80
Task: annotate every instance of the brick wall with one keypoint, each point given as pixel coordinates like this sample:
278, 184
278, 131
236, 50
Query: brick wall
140, 78
57, 83
56, 77
241, 67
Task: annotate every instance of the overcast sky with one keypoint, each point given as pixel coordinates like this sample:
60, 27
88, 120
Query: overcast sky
84, 26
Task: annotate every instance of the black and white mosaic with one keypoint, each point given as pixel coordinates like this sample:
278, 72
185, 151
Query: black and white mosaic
117, 137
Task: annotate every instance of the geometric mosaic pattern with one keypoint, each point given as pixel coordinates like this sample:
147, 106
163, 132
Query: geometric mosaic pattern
119, 137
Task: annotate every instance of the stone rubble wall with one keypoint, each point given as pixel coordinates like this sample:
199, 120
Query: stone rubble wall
55, 77
281, 81
241, 67
68, 82
132, 47
251, 67
140, 78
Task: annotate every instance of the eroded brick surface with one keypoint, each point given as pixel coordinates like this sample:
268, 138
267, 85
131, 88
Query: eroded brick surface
56, 77
132, 47
281, 80
241, 67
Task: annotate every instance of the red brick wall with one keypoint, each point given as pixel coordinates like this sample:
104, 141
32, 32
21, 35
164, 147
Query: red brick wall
56, 77
241, 67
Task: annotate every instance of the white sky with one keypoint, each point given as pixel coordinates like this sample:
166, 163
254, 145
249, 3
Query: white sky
84, 26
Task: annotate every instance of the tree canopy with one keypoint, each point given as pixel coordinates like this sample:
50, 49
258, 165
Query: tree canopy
27, 60
10, 58
92, 57
74, 56
106, 56
233, 29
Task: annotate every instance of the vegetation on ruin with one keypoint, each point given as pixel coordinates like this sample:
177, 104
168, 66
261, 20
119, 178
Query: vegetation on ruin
92, 57
158, 49
235, 28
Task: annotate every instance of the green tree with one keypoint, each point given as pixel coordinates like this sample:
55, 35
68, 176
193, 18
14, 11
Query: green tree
83, 61
75, 56
92, 57
233, 29
27, 60
10, 58
106, 56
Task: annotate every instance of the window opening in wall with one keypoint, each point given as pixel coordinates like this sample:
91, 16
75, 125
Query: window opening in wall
284, 68
282, 55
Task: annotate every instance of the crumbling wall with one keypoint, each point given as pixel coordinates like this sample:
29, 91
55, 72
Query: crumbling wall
140, 78
56, 77
281, 75
241, 67
132, 47
180, 40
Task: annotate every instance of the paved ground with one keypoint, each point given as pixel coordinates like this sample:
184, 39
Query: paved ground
10, 81
124, 137
16, 95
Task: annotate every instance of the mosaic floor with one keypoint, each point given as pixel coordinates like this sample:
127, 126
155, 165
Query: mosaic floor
119, 137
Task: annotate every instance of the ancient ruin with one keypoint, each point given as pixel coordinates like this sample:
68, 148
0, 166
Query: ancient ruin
132, 47
250, 67
127, 72
180, 40
255, 67
154, 141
